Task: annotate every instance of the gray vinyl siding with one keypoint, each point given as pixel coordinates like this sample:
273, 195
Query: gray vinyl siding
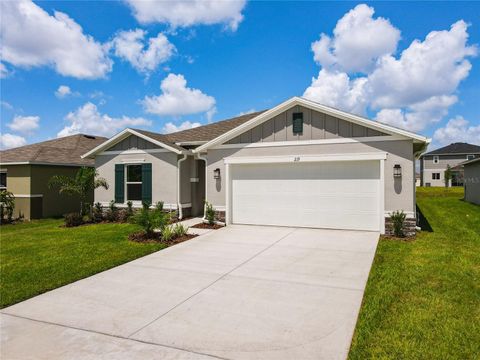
472, 182
316, 126
399, 193
133, 142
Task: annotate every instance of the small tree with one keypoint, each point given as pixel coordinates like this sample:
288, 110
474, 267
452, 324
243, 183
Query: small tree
209, 213
448, 175
398, 219
81, 184
7, 204
150, 219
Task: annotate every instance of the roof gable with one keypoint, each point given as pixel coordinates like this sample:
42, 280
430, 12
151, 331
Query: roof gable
269, 114
456, 148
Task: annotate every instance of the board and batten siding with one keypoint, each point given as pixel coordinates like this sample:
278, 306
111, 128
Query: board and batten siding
399, 193
133, 142
316, 126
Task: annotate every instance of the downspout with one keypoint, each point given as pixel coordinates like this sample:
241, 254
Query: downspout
200, 157
179, 186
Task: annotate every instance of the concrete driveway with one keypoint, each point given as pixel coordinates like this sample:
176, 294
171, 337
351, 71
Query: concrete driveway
242, 292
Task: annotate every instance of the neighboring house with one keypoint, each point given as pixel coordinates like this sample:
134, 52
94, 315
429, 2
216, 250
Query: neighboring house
434, 163
25, 171
472, 180
298, 164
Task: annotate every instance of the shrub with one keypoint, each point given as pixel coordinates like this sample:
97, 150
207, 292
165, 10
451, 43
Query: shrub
168, 233
97, 212
129, 208
122, 215
73, 219
150, 219
7, 205
209, 213
398, 219
180, 230
159, 205
112, 211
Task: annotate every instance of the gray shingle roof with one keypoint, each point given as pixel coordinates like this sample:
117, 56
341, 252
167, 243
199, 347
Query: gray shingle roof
456, 148
64, 151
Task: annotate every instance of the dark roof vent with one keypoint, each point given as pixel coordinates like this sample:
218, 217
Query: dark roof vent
89, 137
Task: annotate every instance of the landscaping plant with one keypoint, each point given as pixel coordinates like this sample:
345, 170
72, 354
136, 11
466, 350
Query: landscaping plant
398, 219
159, 205
79, 185
7, 204
73, 219
150, 219
209, 213
112, 211
97, 212
129, 209
180, 230
168, 233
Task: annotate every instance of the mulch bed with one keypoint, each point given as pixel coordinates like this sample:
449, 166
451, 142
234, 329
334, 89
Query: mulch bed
207, 226
141, 237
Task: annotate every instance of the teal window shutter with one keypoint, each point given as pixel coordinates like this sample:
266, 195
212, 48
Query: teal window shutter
147, 183
119, 183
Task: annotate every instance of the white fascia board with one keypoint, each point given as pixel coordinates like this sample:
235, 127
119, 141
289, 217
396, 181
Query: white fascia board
183, 143
311, 142
305, 158
123, 135
313, 106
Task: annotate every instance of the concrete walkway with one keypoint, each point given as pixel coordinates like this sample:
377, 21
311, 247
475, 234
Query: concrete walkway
241, 292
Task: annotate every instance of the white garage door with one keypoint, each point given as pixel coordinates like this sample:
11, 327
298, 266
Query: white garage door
338, 195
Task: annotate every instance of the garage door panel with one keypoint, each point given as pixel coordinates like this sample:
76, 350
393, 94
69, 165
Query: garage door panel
332, 195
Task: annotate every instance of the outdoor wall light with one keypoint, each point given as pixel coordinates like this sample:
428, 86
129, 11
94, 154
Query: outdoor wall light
216, 173
397, 171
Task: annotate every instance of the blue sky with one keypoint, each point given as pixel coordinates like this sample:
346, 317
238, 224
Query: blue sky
88, 68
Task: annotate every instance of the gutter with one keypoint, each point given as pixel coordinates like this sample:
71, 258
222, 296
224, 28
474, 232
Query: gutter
179, 205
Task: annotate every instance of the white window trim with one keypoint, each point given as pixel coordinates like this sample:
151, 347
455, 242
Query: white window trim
436, 159
470, 157
125, 175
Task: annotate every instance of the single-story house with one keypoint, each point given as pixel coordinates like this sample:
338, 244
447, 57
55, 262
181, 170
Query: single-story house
297, 164
472, 180
25, 171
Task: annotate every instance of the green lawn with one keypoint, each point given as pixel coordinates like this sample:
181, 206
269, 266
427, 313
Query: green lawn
40, 255
423, 297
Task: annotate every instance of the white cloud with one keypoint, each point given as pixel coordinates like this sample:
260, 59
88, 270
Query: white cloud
171, 127
6, 105
63, 91
457, 130
88, 120
3, 71
183, 13
249, 111
24, 124
8, 141
358, 41
412, 91
130, 46
336, 89
178, 99
31, 37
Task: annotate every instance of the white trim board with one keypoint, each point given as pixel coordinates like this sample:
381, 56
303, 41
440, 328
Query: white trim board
28, 195
305, 158
134, 151
123, 135
259, 119
310, 142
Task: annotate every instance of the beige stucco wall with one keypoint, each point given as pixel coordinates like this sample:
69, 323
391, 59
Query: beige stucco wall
316, 126
472, 183
164, 174
399, 194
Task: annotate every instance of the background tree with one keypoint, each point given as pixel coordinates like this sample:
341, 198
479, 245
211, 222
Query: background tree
84, 181
7, 204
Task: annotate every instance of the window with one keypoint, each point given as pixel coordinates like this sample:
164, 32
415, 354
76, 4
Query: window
470, 157
3, 180
436, 159
435, 176
134, 182
297, 123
